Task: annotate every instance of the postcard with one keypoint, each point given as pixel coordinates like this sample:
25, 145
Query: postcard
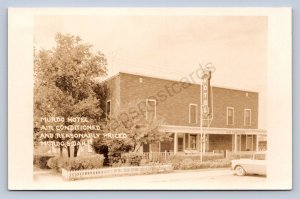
149, 99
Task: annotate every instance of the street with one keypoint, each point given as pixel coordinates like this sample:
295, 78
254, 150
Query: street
187, 179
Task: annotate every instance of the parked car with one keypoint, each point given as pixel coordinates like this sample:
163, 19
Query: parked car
256, 165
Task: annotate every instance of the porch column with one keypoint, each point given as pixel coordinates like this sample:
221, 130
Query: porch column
257, 142
201, 143
175, 143
252, 142
246, 142
204, 143
189, 143
159, 147
235, 142
207, 144
198, 142
240, 142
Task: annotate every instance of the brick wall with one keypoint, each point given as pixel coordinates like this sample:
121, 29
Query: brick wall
239, 100
113, 85
173, 99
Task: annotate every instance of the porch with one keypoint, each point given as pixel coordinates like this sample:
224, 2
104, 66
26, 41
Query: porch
188, 141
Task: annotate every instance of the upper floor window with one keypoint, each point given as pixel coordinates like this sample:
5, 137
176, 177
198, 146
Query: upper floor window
230, 116
108, 109
193, 113
150, 109
247, 117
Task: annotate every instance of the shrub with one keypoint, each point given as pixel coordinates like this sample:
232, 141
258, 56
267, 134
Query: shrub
133, 159
213, 157
78, 163
41, 161
144, 162
187, 164
117, 164
197, 164
115, 158
101, 148
197, 157
53, 163
115, 152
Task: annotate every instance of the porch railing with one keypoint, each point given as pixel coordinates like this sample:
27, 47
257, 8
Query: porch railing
161, 156
157, 156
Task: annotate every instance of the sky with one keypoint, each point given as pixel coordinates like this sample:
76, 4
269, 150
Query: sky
173, 46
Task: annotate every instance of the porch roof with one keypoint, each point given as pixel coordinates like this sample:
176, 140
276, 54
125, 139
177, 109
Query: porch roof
211, 130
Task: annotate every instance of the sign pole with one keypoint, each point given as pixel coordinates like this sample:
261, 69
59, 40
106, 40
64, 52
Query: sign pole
205, 103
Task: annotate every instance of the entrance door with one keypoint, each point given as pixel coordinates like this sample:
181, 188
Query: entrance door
146, 148
193, 141
249, 143
180, 144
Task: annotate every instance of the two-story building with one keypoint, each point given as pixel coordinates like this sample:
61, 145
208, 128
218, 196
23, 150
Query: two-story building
234, 124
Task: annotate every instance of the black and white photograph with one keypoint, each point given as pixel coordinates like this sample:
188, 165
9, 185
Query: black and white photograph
151, 99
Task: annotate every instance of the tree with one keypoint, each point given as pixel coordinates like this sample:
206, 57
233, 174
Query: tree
65, 79
139, 131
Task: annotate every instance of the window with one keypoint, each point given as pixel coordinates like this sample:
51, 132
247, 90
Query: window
193, 113
230, 116
247, 117
108, 109
150, 109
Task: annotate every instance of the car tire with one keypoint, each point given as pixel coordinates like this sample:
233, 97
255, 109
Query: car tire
240, 171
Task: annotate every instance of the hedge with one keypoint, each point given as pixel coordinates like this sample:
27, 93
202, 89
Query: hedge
197, 164
197, 157
132, 159
78, 163
41, 161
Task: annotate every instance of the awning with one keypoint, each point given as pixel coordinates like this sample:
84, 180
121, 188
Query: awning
197, 130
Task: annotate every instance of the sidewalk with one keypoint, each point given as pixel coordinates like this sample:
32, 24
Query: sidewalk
195, 179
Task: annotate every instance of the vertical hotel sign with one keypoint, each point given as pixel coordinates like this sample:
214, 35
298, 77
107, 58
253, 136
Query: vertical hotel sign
206, 95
